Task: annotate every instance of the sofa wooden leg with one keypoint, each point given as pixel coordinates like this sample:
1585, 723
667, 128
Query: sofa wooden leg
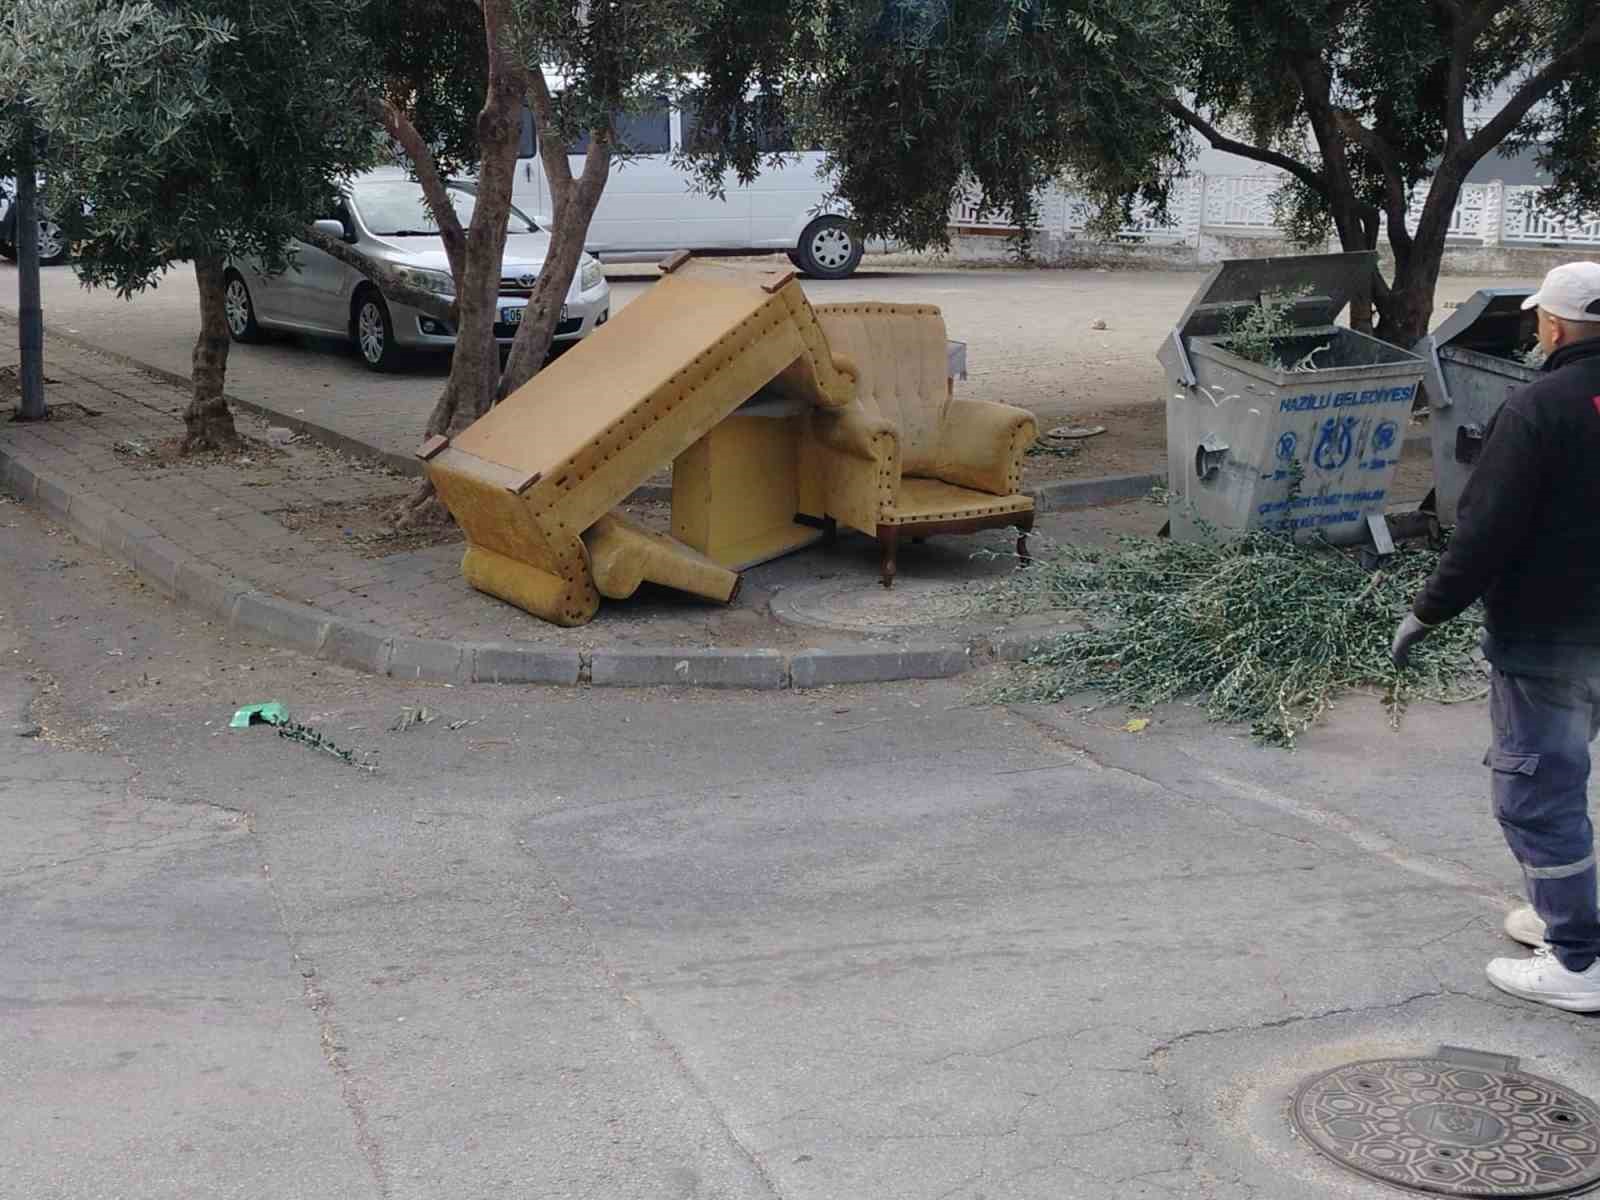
888, 552
1024, 528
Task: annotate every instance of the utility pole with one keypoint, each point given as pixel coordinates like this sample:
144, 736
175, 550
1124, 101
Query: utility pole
30, 317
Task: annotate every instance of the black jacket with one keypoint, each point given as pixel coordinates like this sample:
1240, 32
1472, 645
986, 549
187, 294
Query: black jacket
1527, 535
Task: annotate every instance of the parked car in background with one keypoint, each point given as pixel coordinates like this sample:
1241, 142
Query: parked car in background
54, 248
383, 216
650, 205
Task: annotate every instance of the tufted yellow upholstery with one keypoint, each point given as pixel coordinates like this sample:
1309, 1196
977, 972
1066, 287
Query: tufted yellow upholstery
532, 476
906, 453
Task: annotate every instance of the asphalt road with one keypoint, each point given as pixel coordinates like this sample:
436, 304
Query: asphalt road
863, 944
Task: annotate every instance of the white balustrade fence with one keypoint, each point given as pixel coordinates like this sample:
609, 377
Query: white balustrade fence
1485, 213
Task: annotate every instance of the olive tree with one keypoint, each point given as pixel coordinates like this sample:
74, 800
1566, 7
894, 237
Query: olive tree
455, 101
1363, 101
195, 131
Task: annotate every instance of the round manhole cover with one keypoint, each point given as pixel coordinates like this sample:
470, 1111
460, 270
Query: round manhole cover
856, 608
1437, 1126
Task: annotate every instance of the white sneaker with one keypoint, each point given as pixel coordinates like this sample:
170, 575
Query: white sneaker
1544, 980
1526, 926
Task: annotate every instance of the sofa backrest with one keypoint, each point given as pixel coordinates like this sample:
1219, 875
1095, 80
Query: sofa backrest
900, 357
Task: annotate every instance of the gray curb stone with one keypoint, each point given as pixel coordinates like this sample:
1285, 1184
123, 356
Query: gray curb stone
54, 496
208, 590
818, 668
428, 659
763, 670
282, 621
93, 520
19, 478
1068, 494
362, 647
157, 560
508, 662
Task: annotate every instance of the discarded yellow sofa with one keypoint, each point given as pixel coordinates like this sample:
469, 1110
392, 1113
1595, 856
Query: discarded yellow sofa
532, 482
907, 459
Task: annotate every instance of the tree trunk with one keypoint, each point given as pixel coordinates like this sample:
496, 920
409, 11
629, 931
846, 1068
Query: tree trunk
208, 421
532, 344
475, 365
1404, 314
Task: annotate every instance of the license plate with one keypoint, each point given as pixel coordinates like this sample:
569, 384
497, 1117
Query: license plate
513, 316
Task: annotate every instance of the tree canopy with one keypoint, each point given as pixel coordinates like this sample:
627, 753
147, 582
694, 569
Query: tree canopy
1360, 102
193, 130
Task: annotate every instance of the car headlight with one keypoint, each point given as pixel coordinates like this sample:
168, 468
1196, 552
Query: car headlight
438, 282
593, 275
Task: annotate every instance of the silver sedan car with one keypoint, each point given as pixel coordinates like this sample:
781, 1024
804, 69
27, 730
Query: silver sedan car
383, 215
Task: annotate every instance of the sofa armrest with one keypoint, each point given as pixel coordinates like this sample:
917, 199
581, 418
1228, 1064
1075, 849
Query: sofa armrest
850, 468
851, 431
981, 445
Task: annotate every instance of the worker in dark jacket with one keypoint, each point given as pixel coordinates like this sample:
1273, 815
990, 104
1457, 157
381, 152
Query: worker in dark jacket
1527, 541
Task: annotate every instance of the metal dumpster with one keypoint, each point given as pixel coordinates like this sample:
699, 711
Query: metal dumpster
1473, 364
1306, 451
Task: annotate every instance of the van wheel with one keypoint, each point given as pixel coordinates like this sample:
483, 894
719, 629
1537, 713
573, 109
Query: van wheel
829, 249
374, 331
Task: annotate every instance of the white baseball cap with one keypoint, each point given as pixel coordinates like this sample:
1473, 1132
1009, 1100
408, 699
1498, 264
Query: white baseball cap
1570, 291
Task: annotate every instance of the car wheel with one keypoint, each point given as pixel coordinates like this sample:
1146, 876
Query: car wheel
8, 252
375, 332
829, 249
54, 249
240, 309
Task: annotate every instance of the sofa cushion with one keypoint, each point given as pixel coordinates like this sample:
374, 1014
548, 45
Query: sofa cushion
899, 353
934, 500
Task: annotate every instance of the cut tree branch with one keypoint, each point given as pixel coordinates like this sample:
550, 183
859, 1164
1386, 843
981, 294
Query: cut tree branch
392, 287
1221, 141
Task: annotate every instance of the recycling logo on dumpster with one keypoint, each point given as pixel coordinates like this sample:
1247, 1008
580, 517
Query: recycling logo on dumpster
1336, 442
1385, 435
1287, 445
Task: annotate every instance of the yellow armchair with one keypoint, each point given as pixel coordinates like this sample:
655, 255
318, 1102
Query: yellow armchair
906, 458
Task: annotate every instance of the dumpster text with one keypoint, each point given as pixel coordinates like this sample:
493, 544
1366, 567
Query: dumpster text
1312, 401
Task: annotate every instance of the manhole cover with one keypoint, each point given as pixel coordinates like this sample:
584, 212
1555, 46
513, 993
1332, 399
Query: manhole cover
856, 607
1453, 1127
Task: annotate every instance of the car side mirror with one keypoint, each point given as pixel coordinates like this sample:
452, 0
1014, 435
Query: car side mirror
333, 229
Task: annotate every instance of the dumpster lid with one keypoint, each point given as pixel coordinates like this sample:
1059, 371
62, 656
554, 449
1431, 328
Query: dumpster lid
1492, 319
1334, 281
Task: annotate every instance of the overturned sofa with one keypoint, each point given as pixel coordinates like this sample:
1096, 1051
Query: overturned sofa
781, 420
532, 482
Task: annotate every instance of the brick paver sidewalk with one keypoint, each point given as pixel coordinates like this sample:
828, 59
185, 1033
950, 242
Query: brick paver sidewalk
272, 518
291, 540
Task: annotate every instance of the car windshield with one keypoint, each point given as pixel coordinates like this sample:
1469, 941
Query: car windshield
396, 208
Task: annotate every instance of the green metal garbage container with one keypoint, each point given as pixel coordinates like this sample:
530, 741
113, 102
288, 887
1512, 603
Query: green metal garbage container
1474, 361
1307, 445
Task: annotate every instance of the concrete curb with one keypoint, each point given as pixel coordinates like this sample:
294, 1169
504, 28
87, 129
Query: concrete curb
1067, 494
244, 609
402, 464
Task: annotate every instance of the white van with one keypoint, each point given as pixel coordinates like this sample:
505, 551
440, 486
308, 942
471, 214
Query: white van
650, 205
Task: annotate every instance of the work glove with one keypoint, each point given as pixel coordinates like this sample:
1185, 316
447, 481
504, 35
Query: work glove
1411, 632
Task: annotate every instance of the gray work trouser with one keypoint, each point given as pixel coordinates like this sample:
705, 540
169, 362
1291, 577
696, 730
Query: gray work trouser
1540, 759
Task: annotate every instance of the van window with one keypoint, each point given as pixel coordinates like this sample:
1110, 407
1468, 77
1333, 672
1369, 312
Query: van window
647, 132
773, 137
697, 137
527, 147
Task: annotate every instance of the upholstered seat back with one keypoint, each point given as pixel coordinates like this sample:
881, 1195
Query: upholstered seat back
900, 355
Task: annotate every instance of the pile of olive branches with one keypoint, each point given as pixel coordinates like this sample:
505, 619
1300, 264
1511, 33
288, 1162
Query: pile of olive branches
1267, 631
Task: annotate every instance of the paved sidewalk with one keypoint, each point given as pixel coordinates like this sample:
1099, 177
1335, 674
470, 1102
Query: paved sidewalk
290, 541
